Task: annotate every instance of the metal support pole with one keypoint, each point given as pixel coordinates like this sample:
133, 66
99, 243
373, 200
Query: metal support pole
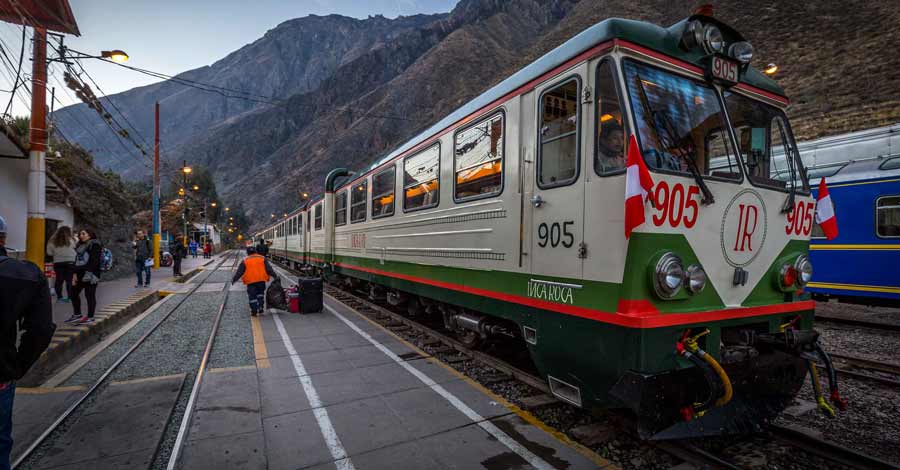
184, 213
37, 170
156, 221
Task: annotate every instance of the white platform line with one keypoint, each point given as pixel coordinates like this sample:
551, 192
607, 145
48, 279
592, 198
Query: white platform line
488, 426
338, 453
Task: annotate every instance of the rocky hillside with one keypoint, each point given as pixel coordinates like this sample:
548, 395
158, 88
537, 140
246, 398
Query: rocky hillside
422, 68
294, 57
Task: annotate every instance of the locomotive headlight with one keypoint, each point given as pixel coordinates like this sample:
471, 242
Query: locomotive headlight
695, 280
668, 276
742, 51
712, 39
787, 277
804, 270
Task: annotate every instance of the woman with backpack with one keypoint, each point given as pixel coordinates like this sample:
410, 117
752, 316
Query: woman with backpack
88, 254
62, 248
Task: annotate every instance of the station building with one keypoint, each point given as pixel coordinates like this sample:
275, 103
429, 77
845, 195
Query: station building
14, 194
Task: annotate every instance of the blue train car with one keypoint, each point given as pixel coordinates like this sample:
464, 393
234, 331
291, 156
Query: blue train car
863, 263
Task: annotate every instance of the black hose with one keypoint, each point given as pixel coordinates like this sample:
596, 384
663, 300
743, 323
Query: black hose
711, 381
832, 377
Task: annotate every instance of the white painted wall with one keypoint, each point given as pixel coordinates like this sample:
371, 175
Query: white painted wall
14, 200
14, 203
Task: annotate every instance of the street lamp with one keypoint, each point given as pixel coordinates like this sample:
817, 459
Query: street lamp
213, 203
227, 209
116, 55
196, 188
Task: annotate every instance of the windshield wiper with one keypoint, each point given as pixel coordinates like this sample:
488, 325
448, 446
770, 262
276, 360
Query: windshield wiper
789, 155
685, 150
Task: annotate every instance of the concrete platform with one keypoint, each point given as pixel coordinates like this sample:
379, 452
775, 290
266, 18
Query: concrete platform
333, 390
121, 429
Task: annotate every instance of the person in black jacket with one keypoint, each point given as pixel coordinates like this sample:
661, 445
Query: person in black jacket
179, 252
24, 307
262, 248
88, 252
2, 237
143, 251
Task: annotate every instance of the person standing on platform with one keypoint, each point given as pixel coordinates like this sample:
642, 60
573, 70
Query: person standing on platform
179, 252
193, 247
2, 237
262, 248
255, 271
24, 308
88, 253
142, 252
207, 250
62, 248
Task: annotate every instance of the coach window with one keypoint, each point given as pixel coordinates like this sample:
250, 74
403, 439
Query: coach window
558, 153
609, 157
318, 217
358, 193
478, 159
340, 208
383, 193
420, 179
887, 217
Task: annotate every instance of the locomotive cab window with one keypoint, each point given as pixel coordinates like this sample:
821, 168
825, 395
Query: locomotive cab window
887, 217
420, 179
359, 192
680, 125
609, 157
383, 193
340, 208
765, 144
318, 217
559, 150
478, 159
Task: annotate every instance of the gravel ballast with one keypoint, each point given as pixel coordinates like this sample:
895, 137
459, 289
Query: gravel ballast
234, 341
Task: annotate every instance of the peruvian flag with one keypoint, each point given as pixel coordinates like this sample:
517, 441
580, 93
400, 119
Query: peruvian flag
638, 185
825, 212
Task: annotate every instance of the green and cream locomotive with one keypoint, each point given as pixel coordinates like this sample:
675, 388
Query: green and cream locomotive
507, 217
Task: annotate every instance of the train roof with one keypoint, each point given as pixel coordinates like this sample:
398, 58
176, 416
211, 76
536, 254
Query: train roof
861, 170
663, 40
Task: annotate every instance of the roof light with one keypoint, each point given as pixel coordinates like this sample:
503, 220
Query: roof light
712, 39
742, 51
770, 69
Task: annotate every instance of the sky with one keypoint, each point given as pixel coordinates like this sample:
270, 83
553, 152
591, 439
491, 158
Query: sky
172, 36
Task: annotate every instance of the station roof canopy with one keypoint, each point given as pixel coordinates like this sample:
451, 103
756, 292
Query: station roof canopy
52, 15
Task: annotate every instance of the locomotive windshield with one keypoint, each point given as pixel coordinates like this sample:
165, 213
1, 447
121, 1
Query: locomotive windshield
680, 123
764, 140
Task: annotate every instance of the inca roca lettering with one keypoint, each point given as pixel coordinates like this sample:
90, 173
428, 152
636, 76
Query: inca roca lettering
551, 292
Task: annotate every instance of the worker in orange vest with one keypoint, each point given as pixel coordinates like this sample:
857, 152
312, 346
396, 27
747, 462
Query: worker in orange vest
255, 271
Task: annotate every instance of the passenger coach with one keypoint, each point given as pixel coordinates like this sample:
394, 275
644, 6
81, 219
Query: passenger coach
507, 218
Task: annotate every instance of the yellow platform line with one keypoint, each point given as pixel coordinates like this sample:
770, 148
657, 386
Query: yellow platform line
259, 344
856, 287
46, 390
526, 416
220, 370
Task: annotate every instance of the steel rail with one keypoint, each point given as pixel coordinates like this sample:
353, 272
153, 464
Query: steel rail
857, 322
828, 450
868, 365
198, 380
40, 439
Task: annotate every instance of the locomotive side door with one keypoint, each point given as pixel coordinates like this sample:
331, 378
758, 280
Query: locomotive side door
556, 201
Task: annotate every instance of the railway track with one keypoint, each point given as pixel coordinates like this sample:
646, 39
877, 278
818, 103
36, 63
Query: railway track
885, 373
856, 322
97, 385
683, 450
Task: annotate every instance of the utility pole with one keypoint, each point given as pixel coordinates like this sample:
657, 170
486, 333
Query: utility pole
184, 171
156, 222
37, 169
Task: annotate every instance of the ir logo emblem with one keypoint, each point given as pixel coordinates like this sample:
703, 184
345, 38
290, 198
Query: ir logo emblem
743, 228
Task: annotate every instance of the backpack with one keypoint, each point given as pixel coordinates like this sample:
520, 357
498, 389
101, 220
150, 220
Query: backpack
106, 260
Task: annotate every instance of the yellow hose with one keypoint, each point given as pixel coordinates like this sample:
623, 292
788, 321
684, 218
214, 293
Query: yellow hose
817, 389
726, 382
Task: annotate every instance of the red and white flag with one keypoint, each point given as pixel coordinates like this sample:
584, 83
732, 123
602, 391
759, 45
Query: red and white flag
638, 185
825, 212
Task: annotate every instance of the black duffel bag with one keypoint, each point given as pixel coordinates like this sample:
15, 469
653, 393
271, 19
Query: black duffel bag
275, 296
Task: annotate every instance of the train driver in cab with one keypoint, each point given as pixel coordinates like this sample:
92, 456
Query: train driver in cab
610, 156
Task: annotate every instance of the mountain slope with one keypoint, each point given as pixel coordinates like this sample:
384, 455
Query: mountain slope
294, 57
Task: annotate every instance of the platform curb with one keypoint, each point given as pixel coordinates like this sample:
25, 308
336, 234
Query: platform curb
71, 340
